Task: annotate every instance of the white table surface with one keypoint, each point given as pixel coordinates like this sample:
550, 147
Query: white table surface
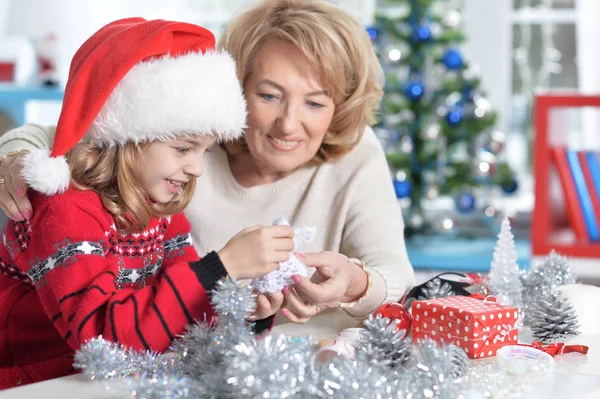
575, 376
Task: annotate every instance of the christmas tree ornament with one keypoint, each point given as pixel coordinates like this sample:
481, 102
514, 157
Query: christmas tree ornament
421, 34
406, 144
552, 318
465, 201
482, 108
394, 54
402, 188
281, 277
497, 142
511, 187
453, 59
504, 276
455, 116
414, 90
445, 224
453, 99
373, 33
431, 131
407, 116
415, 220
432, 192
484, 165
452, 19
396, 315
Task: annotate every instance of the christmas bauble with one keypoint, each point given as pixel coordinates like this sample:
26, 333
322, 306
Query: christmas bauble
453, 59
465, 202
416, 220
511, 187
397, 314
373, 32
454, 116
402, 188
445, 225
405, 146
497, 141
421, 34
452, 19
414, 90
431, 131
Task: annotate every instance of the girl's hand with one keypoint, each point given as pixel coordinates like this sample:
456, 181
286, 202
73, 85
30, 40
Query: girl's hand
267, 305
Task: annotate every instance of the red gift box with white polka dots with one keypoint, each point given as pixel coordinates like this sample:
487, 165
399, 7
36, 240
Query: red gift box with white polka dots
479, 328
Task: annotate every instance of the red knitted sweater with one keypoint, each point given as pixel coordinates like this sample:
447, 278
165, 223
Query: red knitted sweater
67, 275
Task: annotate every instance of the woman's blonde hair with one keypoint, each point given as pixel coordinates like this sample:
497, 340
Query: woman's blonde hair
336, 45
114, 173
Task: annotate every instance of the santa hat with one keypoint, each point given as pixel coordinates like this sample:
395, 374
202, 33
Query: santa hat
134, 81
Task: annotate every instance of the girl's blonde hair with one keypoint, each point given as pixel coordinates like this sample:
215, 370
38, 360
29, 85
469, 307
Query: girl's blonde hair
114, 173
336, 45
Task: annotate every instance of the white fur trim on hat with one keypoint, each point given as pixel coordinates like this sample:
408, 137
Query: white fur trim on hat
45, 174
164, 97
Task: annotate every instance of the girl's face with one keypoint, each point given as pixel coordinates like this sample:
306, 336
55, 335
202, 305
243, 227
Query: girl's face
289, 112
167, 166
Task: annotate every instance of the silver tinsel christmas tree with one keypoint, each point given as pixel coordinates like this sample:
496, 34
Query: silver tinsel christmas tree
504, 276
553, 272
553, 318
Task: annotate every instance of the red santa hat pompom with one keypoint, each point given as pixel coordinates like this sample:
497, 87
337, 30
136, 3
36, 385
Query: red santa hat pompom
136, 80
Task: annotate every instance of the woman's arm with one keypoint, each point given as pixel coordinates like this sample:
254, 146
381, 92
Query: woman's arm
14, 200
77, 284
26, 137
374, 234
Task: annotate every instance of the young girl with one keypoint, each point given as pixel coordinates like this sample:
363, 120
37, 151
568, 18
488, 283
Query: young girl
108, 251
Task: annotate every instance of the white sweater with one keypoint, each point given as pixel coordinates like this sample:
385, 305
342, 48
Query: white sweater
350, 201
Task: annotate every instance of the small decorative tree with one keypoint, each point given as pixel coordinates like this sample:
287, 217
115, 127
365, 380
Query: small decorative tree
504, 276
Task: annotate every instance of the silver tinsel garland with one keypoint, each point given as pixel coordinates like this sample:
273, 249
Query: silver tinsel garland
227, 361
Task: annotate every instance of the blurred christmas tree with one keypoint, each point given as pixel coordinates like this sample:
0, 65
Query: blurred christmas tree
437, 126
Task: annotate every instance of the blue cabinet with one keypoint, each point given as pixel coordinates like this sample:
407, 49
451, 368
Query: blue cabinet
460, 254
13, 100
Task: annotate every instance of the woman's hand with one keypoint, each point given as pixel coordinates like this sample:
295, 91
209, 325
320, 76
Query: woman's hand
13, 188
336, 279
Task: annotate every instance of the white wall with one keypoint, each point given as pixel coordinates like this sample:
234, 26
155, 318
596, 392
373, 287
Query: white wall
487, 28
73, 21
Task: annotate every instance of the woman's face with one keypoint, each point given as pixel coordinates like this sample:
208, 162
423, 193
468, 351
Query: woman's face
289, 112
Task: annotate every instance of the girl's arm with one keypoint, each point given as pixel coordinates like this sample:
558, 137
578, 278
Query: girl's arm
76, 282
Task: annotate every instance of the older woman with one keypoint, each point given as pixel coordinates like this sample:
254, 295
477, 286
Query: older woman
313, 86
